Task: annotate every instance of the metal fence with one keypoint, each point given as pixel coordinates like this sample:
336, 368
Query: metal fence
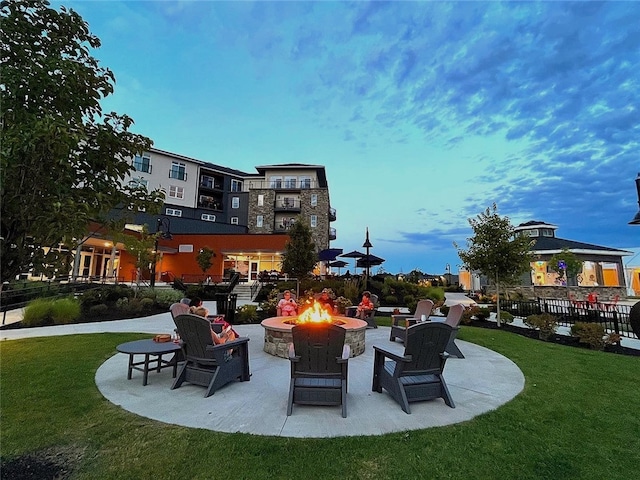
613, 317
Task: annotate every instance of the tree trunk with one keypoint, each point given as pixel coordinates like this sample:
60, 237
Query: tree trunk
498, 303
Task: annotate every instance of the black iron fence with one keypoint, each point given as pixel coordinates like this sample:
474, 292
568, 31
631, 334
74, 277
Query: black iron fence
612, 317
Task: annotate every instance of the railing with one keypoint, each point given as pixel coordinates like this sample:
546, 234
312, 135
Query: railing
202, 278
255, 288
177, 174
612, 317
283, 185
233, 281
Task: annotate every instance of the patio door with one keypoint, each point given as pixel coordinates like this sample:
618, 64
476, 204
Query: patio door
253, 270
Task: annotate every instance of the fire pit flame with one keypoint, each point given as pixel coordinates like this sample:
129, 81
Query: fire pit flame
315, 314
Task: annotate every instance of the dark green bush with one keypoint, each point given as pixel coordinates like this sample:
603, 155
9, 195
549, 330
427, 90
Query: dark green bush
37, 313
146, 303
246, 314
391, 300
594, 335
98, 310
65, 310
49, 311
444, 309
544, 322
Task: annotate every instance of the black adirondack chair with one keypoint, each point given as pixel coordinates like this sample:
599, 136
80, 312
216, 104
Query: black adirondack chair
400, 323
416, 375
319, 362
207, 364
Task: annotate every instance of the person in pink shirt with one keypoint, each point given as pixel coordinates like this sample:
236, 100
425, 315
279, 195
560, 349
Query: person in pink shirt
365, 306
287, 306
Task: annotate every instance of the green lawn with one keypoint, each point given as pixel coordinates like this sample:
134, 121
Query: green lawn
577, 418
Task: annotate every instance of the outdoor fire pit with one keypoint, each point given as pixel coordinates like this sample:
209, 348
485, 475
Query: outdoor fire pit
277, 331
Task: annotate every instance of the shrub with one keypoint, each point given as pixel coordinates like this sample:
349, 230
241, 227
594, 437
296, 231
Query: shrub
444, 309
506, 317
37, 313
342, 303
247, 314
411, 302
468, 313
98, 310
351, 288
146, 303
483, 313
544, 322
65, 310
593, 334
391, 300
164, 298
122, 303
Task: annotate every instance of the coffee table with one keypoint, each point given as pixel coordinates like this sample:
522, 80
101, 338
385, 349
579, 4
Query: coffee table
150, 349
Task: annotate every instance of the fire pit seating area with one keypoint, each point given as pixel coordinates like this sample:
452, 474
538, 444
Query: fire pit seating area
278, 336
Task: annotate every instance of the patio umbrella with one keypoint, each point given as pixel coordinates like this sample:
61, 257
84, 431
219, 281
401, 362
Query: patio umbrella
329, 254
353, 254
370, 260
338, 264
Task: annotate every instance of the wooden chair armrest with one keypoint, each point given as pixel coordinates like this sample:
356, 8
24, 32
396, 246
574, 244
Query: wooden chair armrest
346, 352
391, 355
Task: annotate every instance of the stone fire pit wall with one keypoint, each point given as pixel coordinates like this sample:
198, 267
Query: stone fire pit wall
277, 335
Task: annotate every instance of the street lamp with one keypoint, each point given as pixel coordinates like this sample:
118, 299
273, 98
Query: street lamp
636, 219
163, 227
447, 268
367, 245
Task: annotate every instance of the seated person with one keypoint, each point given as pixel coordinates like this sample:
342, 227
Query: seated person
366, 306
227, 333
287, 306
326, 301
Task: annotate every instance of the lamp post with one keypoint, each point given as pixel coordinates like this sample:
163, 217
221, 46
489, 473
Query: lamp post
636, 219
367, 245
447, 268
163, 227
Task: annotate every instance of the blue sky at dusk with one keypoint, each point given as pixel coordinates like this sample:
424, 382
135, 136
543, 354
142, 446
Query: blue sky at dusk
423, 113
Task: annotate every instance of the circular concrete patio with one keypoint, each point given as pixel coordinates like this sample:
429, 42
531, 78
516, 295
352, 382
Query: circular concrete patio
481, 382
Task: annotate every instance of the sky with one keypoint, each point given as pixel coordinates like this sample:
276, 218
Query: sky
424, 114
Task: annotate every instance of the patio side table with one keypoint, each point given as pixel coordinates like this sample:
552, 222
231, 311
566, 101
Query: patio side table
150, 349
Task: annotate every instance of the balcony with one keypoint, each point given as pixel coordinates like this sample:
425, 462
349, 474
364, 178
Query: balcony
142, 167
287, 204
332, 214
332, 234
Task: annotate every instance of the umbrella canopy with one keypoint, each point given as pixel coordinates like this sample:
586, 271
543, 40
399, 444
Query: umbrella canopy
329, 254
353, 254
338, 264
370, 260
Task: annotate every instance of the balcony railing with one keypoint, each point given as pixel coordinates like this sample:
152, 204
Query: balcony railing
180, 175
142, 167
332, 214
332, 234
288, 203
282, 185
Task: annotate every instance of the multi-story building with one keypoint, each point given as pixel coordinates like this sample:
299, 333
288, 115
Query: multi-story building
244, 217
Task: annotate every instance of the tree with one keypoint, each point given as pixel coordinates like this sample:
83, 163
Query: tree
300, 251
495, 250
565, 263
62, 160
204, 258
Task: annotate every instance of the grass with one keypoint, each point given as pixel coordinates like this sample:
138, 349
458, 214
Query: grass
577, 418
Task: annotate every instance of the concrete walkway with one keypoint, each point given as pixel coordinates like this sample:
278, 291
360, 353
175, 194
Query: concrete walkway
481, 382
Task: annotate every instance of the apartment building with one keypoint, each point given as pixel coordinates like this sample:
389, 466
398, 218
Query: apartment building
244, 217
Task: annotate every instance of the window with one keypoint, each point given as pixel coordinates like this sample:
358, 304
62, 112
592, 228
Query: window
236, 185
173, 212
261, 200
176, 192
234, 220
290, 182
138, 182
235, 202
275, 182
142, 163
178, 170
259, 220
305, 182
314, 199
314, 221
288, 202
208, 217
206, 181
547, 232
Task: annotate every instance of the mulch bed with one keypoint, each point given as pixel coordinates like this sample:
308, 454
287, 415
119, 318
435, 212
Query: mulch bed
559, 339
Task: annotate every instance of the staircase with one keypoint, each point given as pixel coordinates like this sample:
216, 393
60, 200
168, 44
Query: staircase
243, 290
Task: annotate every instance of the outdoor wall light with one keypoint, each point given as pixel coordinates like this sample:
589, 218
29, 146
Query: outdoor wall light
636, 219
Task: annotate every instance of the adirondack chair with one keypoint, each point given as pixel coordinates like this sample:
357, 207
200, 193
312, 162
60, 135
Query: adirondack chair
207, 364
417, 374
400, 323
453, 320
319, 360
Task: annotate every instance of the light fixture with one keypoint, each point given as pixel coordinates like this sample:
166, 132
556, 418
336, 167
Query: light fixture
636, 219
